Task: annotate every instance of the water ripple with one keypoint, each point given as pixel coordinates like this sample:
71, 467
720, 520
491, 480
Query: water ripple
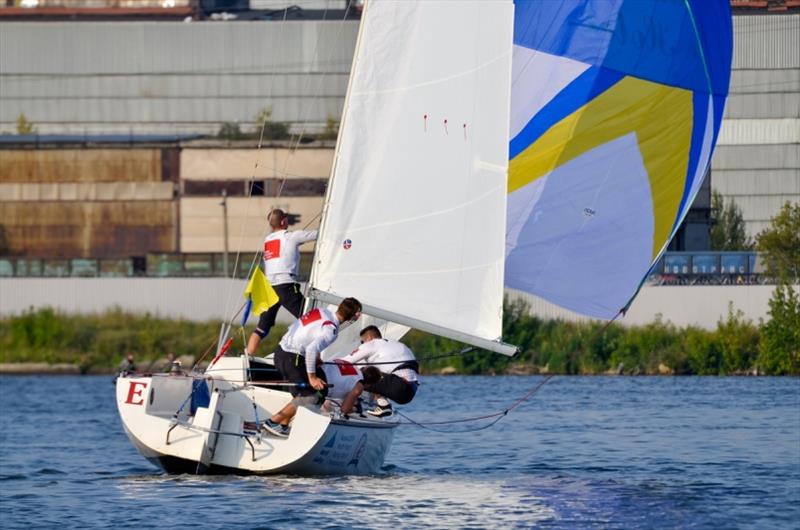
591, 452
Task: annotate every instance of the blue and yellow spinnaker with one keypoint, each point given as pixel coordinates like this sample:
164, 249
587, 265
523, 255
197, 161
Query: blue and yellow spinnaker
615, 109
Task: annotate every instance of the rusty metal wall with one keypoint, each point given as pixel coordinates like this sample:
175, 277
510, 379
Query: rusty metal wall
86, 191
76, 229
80, 165
75, 203
203, 227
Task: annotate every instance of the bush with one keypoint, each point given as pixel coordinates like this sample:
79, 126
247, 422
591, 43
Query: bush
737, 342
268, 129
24, 126
231, 131
102, 341
736, 346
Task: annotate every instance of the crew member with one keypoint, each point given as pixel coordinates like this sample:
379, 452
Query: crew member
343, 380
399, 369
297, 356
281, 266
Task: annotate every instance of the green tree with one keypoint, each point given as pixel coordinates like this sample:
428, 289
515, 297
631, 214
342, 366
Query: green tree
780, 244
779, 349
727, 232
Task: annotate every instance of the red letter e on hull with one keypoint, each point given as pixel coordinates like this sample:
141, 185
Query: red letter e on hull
135, 392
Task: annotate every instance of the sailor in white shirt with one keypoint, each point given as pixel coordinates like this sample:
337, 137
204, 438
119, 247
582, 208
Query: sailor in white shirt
281, 266
297, 358
399, 369
341, 377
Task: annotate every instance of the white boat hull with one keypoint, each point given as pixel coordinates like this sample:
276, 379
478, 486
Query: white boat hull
155, 412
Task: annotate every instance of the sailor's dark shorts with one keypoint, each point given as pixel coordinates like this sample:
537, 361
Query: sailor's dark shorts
395, 388
290, 297
292, 367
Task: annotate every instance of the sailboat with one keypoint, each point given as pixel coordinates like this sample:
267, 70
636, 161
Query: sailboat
552, 147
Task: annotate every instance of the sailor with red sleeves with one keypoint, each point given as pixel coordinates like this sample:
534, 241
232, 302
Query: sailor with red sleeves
281, 264
298, 355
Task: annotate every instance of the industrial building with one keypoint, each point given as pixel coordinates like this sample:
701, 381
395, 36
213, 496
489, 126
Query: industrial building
757, 159
121, 128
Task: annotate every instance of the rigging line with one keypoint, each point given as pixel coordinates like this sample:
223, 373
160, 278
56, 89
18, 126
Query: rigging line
248, 202
197, 362
210, 347
307, 110
282, 172
319, 213
293, 148
496, 416
462, 351
444, 431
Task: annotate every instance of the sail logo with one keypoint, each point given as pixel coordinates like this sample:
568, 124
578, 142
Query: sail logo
346, 244
588, 212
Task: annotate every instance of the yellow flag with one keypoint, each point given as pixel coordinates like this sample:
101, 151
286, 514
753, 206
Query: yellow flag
261, 292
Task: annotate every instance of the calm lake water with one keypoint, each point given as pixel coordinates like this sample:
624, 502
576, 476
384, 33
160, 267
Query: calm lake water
585, 452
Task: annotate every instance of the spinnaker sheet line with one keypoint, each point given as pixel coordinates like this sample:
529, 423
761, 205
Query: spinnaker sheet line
495, 417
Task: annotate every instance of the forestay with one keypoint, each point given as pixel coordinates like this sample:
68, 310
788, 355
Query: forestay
615, 109
414, 224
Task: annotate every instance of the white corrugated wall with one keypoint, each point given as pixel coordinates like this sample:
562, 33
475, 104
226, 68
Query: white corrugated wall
171, 77
757, 160
217, 298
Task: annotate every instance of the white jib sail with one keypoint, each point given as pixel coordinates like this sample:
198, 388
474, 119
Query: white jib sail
415, 219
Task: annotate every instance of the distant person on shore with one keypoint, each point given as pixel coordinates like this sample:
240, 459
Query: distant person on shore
297, 358
281, 266
399, 368
128, 364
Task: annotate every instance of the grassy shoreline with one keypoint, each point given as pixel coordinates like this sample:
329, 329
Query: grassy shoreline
61, 343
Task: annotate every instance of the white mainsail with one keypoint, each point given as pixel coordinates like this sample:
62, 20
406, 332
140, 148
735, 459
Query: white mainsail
414, 224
